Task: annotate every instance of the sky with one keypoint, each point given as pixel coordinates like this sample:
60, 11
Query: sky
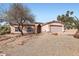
45, 12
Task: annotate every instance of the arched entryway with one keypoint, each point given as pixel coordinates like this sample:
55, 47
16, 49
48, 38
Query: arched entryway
39, 28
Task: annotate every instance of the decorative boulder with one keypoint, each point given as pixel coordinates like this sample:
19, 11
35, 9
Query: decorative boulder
54, 33
76, 35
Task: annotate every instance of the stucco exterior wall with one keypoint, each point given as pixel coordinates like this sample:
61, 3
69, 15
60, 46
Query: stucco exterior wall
56, 24
45, 28
63, 28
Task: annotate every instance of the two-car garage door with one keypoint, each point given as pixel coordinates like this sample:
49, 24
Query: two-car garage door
56, 28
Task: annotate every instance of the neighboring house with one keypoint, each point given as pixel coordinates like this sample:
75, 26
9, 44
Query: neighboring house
28, 28
53, 27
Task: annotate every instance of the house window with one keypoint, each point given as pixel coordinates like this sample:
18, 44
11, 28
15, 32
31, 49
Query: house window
16, 29
29, 29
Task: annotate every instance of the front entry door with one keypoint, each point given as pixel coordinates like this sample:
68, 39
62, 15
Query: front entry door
39, 28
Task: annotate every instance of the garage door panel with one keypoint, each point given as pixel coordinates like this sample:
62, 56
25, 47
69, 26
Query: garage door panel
56, 29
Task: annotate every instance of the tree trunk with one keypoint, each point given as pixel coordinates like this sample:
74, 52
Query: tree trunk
20, 30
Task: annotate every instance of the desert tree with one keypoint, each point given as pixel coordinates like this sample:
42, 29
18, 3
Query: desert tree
67, 19
20, 14
76, 23
76, 35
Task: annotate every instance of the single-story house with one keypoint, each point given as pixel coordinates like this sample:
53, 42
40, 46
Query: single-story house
27, 27
37, 27
53, 27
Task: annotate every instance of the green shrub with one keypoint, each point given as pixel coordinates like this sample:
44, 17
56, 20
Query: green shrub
4, 29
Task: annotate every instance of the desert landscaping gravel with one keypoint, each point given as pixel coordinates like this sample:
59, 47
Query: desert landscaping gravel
44, 44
